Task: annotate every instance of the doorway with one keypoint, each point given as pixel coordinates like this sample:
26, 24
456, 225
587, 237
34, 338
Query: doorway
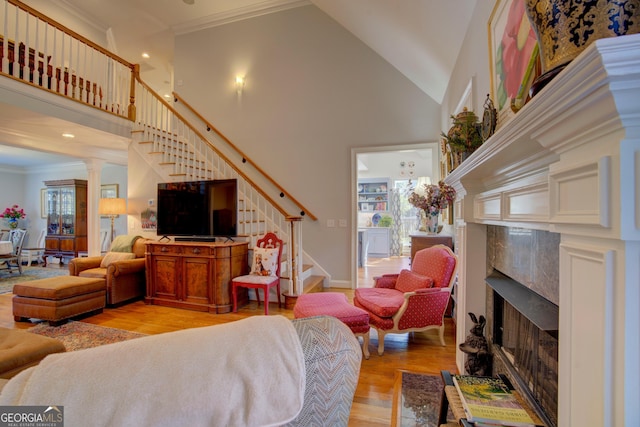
382, 179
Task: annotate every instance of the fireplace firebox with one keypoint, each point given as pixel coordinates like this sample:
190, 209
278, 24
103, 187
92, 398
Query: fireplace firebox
524, 340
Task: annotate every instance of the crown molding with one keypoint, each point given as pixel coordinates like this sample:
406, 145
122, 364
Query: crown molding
238, 14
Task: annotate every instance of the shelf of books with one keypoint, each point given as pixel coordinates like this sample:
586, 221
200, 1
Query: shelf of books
487, 402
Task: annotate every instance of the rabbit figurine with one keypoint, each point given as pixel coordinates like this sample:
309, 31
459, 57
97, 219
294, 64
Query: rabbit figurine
479, 360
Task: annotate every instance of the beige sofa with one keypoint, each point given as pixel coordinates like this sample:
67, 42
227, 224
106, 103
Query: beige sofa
125, 279
263, 370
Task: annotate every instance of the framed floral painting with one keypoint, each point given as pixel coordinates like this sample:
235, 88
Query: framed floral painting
513, 57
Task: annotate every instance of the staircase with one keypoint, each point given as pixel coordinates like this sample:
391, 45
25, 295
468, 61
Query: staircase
177, 148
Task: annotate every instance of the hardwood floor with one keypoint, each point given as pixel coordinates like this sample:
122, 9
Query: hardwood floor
373, 398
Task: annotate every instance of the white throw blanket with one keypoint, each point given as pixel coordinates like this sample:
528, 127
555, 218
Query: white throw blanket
245, 373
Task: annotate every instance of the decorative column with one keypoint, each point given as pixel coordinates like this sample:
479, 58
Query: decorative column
94, 169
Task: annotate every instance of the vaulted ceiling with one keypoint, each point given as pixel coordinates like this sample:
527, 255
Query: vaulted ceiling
420, 38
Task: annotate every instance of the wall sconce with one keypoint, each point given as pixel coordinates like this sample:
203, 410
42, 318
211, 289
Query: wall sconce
112, 208
239, 84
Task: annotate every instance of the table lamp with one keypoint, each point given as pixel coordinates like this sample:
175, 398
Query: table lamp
112, 207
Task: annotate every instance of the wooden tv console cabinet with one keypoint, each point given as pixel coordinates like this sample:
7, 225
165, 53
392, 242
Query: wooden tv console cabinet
195, 275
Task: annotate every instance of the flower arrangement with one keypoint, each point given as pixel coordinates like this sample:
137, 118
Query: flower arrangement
436, 198
14, 212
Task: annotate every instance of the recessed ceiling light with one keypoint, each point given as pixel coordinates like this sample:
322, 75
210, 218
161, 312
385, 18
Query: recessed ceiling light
145, 55
68, 135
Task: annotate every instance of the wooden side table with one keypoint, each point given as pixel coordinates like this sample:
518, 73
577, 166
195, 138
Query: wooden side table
420, 240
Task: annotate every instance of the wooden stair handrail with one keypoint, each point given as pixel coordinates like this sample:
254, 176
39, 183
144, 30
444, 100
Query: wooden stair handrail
245, 158
202, 137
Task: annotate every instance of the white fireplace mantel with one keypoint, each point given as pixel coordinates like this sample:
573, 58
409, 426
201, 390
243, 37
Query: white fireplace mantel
569, 162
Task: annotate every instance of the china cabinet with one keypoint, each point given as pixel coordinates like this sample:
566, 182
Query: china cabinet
66, 209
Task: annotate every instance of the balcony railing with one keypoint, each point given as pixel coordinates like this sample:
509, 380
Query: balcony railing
42, 52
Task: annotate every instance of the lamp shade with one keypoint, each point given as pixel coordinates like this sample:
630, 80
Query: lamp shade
112, 206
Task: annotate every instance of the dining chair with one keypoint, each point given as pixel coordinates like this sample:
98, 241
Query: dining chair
16, 237
35, 254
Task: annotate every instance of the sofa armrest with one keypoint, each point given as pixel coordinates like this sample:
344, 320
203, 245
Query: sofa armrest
128, 266
77, 265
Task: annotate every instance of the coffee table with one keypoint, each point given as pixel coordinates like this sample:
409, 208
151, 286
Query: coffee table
417, 399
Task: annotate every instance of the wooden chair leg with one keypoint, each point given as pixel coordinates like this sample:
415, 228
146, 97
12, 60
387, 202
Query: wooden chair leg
234, 292
279, 301
266, 301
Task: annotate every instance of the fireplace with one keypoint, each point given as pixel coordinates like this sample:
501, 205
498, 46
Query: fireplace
566, 164
524, 342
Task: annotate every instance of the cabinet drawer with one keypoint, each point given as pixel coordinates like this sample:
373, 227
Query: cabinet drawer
165, 249
196, 250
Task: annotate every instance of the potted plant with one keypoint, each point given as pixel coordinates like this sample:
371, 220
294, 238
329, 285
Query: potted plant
14, 213
464, 137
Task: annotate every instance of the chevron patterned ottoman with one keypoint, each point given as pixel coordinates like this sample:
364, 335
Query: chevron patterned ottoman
337, 305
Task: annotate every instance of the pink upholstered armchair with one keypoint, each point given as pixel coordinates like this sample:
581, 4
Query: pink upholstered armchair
413, 300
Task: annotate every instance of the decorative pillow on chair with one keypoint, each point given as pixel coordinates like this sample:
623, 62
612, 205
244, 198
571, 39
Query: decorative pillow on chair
265, 261
111, 257
408, 281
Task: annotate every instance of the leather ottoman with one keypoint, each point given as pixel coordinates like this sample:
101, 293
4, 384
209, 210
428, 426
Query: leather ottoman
57, 299
20, 350
337, 305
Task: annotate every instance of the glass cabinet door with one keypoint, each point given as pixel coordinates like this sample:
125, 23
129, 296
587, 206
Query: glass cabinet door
67, 210
53, 211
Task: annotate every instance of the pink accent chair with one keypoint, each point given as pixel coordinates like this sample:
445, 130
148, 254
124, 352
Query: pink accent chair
413, 300
258, 281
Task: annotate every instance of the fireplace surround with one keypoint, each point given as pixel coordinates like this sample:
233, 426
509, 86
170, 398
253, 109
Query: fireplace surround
568, 163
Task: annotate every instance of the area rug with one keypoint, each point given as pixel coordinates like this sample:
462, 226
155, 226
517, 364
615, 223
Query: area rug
7, 279
79, 335
420, 400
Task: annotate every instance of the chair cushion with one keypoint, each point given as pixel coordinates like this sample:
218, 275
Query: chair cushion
436, 263
111, 257
255, 279
265, 261
382, 302
409, 281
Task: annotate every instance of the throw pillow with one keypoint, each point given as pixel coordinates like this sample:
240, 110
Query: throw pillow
265, 261
408, 281
111, 257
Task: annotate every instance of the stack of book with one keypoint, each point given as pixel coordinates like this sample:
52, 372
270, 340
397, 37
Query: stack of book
489, 401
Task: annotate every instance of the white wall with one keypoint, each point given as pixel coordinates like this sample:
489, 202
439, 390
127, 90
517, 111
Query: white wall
313, 92
472, 65
26, 183
13, 193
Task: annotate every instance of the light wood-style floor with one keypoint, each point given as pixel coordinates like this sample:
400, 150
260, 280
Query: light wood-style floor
373, 398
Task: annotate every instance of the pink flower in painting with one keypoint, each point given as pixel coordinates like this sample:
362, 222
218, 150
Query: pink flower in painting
518, 42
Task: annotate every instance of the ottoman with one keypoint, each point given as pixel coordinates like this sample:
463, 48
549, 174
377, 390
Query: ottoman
337, 305
57, 299
20, 350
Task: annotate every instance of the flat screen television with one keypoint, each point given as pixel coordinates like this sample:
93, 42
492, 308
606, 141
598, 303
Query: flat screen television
198, 209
